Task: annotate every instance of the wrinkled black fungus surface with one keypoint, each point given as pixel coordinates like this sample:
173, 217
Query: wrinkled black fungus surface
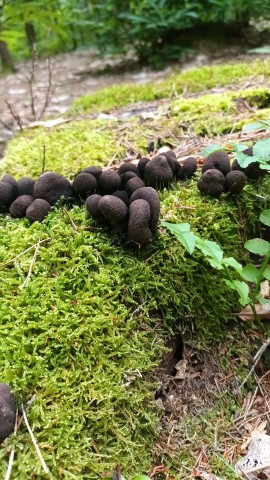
188, 169
139, 232
219, 160
7, 411
25, 186
108, 182
85, 184
127, 167
125, 177
18, 208
141, 165
133, 184
158, 173
92, 206
95, 171
235, 181
38, 210
51, 187
6, 196
151, 196
172, 161
211, 183
113, 209
122, 194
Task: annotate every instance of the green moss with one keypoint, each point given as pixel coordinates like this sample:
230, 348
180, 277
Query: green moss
195, 80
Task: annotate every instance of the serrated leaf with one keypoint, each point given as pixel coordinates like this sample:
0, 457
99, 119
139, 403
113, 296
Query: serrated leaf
250, 127
265, 217
245, 160
211, 249
257, 246
183, 234
242, 289
265, 166
250, 273
211, 148
266, 273
231, 262
261, 149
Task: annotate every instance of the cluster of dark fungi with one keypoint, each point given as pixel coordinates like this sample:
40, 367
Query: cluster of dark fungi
125, 199
7, 411
220, 174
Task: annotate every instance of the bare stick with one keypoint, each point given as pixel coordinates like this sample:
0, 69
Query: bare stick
12, 452
70, 219
49, 91
43, 159
31, 80
25, 251
42, 461
15, 115
27, 280
256, 361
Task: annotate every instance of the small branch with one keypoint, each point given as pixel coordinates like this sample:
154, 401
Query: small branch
70, 219
15, 115
25, 251
12, 452
27, 280
256, 361
41, 459
50, 90
31, 80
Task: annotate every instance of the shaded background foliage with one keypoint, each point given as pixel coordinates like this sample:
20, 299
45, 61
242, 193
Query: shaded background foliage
150, 28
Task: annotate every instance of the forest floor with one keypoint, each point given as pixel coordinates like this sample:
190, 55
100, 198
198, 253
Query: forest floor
133, 358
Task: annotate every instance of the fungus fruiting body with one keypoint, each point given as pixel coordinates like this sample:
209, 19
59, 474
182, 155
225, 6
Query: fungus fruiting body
127, 167
139, 232
6, 196
219, 160
141, 165
188, 169
95, 171
7, 411
122, 194
172, 161
158, 173
108, 182
235, 181
18, 208
51, 187
151, 196
125, 177
92, 206
85, 184
211, 183
38, 210
113, 209
25, 186
133, 184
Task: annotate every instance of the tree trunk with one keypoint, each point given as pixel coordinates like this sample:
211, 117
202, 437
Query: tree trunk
6, 60
30, 35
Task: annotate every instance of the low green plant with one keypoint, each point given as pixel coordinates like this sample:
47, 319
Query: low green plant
245, 280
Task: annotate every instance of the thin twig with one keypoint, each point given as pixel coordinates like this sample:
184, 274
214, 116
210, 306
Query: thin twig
50, 90
256, 361
27, 280
42, 461
74, 226
15, 115
25, 251
31, 81
12, 452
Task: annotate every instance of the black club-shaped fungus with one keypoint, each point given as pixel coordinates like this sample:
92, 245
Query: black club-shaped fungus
25, 186
114, 210
125, 177
133, 184
92, 206
122, 194
219, 160
128, 167
84, 184
141, 165
211, 183
108, 182
38, 210
158, 173
6, 196
51, 187
172, 161
139, 232
188, 169
9, 179
95, 171
7, 411
18, 208
151, 196
235, 181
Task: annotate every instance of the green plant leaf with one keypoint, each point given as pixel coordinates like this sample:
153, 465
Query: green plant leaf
245, 160
141, 477
183, 234
266, 273
250, 127
261, 149
262, 50
242, 289
250, 273
257, 246
211, 250
262, 300
265, 217
231, 262
211, 148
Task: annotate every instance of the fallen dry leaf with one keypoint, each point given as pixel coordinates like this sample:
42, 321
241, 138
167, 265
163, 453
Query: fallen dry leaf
263, 313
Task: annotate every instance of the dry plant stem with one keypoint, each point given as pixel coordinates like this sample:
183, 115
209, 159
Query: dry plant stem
74, 226
50, 90
31, 80
42, 461
256, 361
25, 251
15, 115
27, 280
12, 452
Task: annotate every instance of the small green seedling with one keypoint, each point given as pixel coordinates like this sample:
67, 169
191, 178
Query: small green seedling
245, 280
